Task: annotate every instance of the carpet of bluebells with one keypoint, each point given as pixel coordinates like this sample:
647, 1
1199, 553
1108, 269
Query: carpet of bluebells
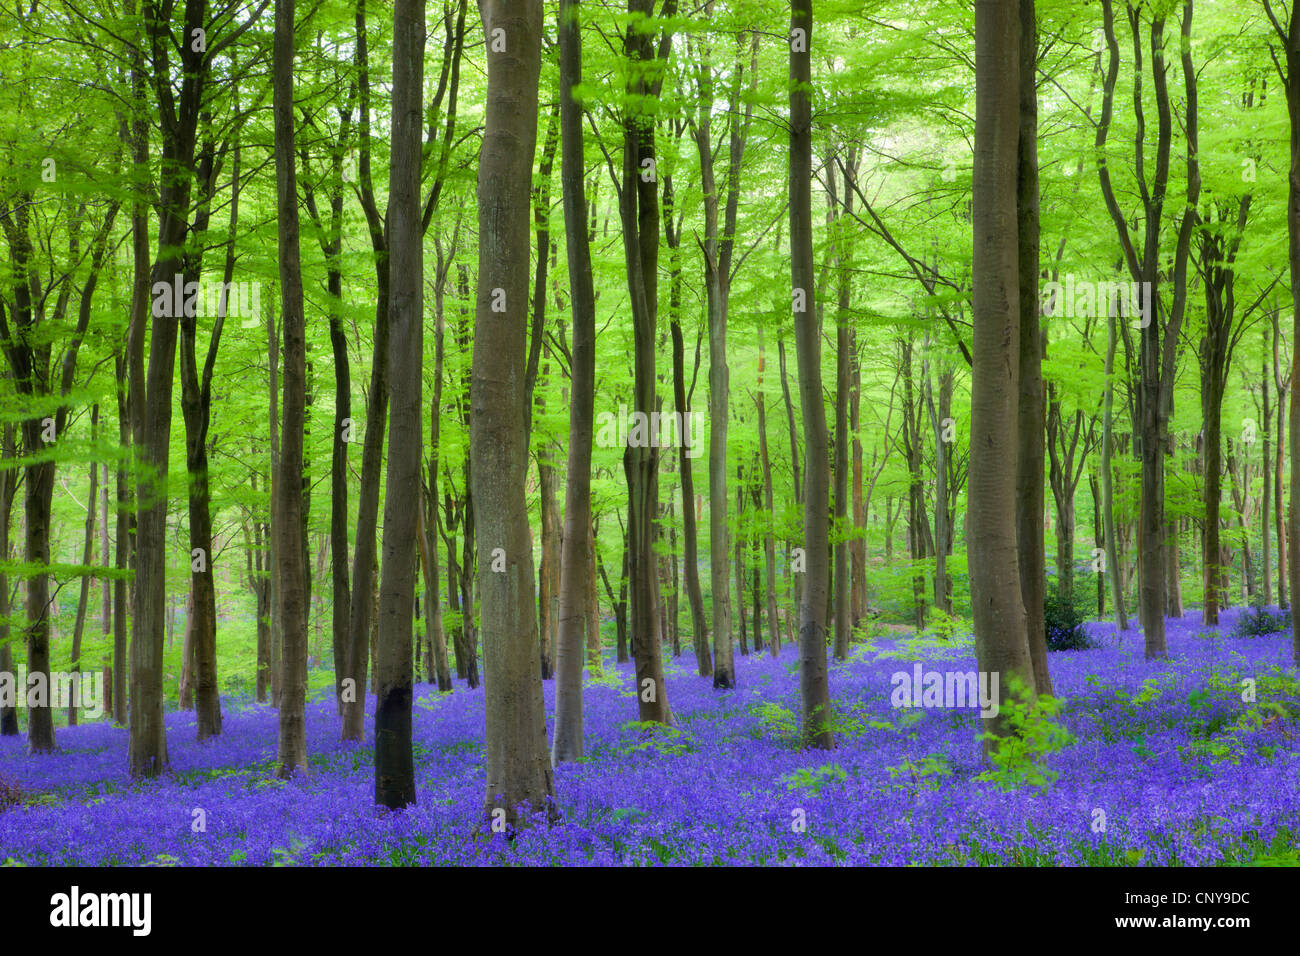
1165, 764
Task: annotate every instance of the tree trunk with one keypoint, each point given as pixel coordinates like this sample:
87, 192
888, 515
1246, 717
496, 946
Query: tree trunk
738, 562
291, 571
1266, 473
518, 768
87, 556
814, 688
1279, 518
639, 214
1107, 482
769, 537
394, 756
1292, 545
690, 534
364, 553
185, 690
997, 602
8, 485
1030, 422
858, 545
842, 357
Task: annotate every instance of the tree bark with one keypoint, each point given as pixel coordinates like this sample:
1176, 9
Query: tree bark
1030, 425
997, 602
8, 485
291, 571
575, 556
518, 768
394, 756
364, 553
814, 687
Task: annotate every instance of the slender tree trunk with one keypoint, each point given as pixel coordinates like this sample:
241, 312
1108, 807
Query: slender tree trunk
437, 635
769, 537
122, 557
1211, 412
842, 362
87, 556
690, 534
639, 214
1266, 480
364, 553
1030, 451
595, 664
1173, 586
814, 687
1107, 483
1279, 517
342, 437
575, 555
8, 485
290, 571
394, 756
185, 690
858, 545
1292, 46
275, 631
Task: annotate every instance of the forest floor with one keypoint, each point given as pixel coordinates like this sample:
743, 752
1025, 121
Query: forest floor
1147, 764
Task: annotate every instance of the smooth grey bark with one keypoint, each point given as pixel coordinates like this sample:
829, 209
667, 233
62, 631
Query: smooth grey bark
290, 571
394, 756
518, 765
570, 643
1107, 478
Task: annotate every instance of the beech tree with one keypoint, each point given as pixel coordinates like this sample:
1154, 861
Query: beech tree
518, 765
814, 686
394, 760
290, 569
997, 603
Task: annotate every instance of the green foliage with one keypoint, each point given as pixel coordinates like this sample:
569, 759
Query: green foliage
1259, 621
1018, 757
1222, 733
812, 781
1063, 620
652, 737
925, 774
776, 722
857, 720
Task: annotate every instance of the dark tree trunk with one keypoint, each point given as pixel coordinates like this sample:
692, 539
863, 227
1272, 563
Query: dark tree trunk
814, 687
8, 485
364, 554
997, 602
394, 757
1030, 425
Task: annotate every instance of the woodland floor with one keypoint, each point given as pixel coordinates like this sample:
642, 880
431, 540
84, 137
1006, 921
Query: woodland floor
1165, 765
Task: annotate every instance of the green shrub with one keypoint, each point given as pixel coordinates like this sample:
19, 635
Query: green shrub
1260, 621
1063, 620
